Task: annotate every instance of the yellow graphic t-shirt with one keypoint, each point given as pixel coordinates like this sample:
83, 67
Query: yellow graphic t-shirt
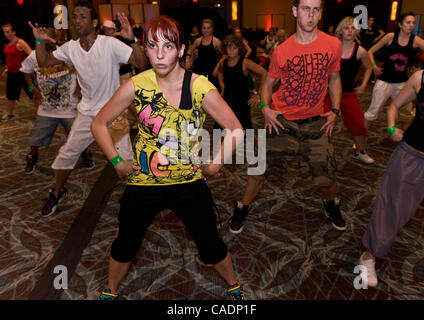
167, 136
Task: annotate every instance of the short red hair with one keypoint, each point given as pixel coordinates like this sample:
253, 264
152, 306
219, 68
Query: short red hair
167, 28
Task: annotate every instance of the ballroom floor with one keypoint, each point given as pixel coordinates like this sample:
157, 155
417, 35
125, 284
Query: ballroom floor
287, 250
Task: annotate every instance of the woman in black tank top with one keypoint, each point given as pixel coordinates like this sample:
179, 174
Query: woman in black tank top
233, 75
401, 190
399, 52
353, 56
208, 52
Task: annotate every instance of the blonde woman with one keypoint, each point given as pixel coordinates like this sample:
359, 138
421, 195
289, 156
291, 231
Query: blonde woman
353, 56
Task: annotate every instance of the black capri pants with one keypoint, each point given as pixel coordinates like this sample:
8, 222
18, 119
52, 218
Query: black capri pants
15, 81
191, 202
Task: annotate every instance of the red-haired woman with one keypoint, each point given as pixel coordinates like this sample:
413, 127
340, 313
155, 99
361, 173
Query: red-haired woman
171, 103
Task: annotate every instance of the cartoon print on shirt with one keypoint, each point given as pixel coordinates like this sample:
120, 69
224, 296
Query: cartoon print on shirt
162, 156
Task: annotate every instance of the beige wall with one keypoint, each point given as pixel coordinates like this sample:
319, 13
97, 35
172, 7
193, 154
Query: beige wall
251, 8
416, 6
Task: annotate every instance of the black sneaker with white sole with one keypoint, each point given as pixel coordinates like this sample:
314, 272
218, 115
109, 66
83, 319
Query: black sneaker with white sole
236, 221
52, 202
31, 162
332, 211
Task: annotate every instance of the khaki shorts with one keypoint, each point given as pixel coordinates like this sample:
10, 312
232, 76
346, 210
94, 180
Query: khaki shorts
306, 143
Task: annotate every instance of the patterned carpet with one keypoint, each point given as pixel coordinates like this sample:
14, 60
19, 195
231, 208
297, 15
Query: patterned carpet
288, 249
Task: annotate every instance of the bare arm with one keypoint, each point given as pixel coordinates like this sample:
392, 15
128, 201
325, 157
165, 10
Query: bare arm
219, 73
418, 43
405, 96
44, 58
22, 45
366, 62
190, 50
380, 44
99, 127
335, 91
270, 115
248, 49
250, 66
219, 110
35, 90
138, 58
381, 35
218, 45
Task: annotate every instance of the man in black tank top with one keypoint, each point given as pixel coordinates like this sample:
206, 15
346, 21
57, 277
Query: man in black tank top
401, 189
399, 52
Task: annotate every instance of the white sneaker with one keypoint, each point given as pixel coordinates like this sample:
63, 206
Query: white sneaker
363, 157
369, 264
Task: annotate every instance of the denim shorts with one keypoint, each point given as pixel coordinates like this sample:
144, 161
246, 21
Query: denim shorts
44, 128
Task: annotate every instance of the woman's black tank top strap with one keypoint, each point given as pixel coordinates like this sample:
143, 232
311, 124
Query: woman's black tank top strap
186, 102
397, 59
206, 59
414, 135
349, 69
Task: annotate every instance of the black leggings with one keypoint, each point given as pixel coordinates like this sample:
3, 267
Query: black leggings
191, 202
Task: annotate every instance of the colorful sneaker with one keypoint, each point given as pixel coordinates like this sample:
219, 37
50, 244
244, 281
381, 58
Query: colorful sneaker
31, 162
87, 160
363, 157
7, 117
332, 211
371, 275
239, 215
108, 295
52, 202
235, 292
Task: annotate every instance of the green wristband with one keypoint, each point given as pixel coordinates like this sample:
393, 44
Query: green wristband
391, 130
39, 41
115, 160
262, 105
32, 86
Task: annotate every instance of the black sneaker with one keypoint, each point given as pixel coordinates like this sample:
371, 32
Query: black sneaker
31, 162
235, 292
236, 221
332, 211
52, 202
87, 160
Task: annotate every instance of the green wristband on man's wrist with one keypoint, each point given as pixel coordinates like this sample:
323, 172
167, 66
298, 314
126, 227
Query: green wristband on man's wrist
391, 130
39, 41
31, 87
115, 160
262, 105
